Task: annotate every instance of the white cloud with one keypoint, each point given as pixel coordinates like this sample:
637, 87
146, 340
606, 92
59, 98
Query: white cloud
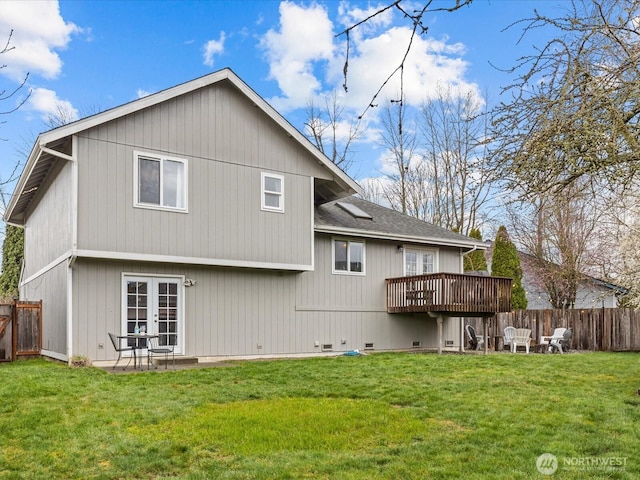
305, 38
307, 60
140, 93
38, 31
212, 48
47, 103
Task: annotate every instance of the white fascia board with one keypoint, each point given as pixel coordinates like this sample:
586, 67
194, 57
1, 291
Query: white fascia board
24, 176
213, 262
399, 238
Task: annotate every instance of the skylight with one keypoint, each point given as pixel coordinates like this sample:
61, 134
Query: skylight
353, 210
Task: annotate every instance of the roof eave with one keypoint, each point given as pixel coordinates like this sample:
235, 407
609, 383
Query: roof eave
398, 237
34, 155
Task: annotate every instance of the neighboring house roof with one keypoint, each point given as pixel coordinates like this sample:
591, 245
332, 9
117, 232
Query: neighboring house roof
56, 143
335, 218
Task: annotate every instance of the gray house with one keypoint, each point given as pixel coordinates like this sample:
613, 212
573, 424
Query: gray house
202, 214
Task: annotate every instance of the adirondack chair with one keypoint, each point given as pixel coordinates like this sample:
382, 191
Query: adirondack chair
509, 332
557, 335
561, 344
475, 341
522, 337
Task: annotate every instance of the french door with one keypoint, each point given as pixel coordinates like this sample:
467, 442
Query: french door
154, 304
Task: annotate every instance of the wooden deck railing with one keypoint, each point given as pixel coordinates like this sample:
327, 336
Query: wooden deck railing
449, 293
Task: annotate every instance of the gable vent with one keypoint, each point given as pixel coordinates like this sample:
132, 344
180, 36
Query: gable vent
353, 210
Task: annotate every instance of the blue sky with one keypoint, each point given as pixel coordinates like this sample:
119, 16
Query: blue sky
88, 56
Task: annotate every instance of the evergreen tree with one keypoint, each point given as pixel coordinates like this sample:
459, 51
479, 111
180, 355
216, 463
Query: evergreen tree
505, 262
12, 254
475, 261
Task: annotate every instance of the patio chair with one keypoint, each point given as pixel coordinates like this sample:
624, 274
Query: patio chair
475, 341
154, 348
522, 337
116, 340
509, 332
557, 335
561, 344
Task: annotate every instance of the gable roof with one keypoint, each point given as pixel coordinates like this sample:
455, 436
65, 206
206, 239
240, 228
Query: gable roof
57, 143
385, 223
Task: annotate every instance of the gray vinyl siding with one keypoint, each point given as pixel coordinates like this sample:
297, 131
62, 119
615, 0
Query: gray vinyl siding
48, 233
227, 143
51, 288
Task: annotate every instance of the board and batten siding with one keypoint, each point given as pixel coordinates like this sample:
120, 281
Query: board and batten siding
51, 288
227, 143
48, 232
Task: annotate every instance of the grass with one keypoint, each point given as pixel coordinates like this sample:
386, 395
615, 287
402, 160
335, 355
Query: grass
381, 416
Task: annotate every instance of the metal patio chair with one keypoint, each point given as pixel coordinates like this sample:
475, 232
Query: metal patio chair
116, 340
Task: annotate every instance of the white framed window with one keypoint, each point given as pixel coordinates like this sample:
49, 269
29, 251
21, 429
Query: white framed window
160, 182
272, 192
420, 262
348, 256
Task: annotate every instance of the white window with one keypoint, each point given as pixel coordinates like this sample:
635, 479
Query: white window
419, 262
160, 182
348, 257
272, 192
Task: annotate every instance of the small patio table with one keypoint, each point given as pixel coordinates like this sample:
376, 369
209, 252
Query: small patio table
140, 344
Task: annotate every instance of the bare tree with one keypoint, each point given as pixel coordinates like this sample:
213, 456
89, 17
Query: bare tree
401, 144
575, 107
414, 15
5, 96
457, 174
559, 233
331, 132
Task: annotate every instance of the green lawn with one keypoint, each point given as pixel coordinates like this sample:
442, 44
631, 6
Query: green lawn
381, 416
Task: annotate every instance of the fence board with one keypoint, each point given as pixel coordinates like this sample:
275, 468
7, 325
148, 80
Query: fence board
600, 329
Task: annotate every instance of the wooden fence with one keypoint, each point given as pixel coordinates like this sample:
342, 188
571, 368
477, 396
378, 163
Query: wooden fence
599, 329
20, 330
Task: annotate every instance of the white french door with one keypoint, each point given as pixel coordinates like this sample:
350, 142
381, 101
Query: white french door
154, 304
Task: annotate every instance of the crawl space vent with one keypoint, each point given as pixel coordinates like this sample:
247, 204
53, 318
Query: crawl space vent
327, 347
368, 346
448, 343
416, 344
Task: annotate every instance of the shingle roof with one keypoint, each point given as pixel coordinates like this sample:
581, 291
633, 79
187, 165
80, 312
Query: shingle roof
385, 223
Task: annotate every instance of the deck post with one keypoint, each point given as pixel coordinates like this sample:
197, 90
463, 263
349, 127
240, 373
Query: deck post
439, 320
485, 333
462, 337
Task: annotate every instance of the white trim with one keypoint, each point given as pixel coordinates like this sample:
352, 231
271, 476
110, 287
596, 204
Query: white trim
264, 192
180, 347
221, 262
313, 221
395, 237
420, 251
56, 355
55, 153
161, 158
333, 256
48, 267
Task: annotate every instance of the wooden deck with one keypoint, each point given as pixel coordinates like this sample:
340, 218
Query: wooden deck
450, 294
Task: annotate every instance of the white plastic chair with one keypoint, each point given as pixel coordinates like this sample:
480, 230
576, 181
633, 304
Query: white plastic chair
561, 343
476, 341
557, 335
509, 332
522, 337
